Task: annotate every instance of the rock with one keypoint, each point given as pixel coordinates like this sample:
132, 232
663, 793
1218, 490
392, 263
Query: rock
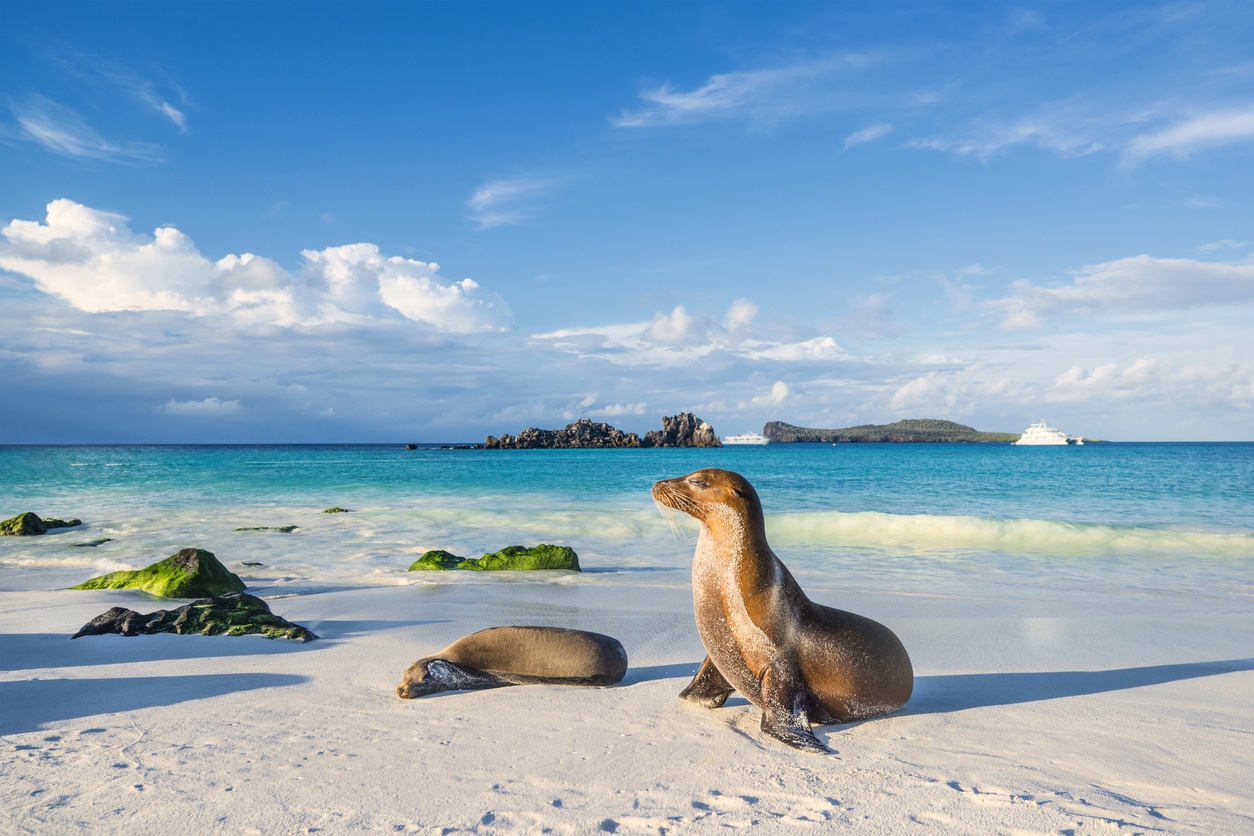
233, 614
437, 559
91, 544
191, 573
411, 446
286, 529
682, 430
336, 510
30, 524
509, 558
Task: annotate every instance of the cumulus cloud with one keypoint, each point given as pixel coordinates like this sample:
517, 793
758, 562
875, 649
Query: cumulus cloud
779, 394
960, 390
92, 260
209, 406
677, 337
1110, 380
1136, 285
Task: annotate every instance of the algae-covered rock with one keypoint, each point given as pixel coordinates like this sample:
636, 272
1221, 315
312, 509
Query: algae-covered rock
542, 556
91, 544
286, 529
191, 573
437, 559
336, 510
233, 614
30, 524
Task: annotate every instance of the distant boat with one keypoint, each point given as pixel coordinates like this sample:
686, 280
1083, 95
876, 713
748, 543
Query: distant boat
747, 438
1041, 434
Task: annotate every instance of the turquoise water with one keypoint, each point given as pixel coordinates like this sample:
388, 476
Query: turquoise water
1176, 517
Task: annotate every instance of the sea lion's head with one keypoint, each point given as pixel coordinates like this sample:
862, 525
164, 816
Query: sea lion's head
426, 676
709, 494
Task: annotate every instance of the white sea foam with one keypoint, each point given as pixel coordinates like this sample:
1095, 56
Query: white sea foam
924, 532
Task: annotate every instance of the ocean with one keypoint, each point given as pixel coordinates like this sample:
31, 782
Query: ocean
1063, 528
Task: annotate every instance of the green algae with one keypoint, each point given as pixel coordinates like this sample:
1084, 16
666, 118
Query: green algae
190, 573
336, 510
510, 558
31, 524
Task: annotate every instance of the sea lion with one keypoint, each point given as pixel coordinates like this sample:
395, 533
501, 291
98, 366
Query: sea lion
798, 661
502, 656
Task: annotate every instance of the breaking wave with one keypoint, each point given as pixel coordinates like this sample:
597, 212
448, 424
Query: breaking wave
925, 532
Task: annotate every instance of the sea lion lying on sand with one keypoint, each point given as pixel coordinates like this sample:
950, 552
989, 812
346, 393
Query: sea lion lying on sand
798, 661
502, 656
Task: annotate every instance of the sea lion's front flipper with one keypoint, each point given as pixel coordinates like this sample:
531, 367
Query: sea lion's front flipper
455, 677
786, 708
709, 688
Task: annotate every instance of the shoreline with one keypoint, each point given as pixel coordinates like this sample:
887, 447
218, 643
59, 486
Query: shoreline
1040, 723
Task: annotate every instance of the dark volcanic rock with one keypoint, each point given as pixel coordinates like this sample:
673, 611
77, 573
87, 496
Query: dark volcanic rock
581, 434
30, 524
683, 430
233, 614
190, 573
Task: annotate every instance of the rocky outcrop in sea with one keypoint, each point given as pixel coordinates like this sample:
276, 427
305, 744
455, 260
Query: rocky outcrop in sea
190, 573
682, 430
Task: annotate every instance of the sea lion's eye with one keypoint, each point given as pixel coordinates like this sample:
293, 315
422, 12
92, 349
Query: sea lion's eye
698, 483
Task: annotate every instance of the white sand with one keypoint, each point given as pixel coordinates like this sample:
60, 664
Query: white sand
1133, 716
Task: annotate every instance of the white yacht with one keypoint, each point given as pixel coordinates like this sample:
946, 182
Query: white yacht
1041, 433
746, 438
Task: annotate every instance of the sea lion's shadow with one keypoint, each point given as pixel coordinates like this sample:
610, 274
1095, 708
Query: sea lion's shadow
958, 692
945, 693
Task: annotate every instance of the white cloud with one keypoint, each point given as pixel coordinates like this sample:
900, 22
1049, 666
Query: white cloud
91, 259
1206, 130
209, 406
739, 317
761, 95
677, 338
618, 410
1225, 244
503, 202
963, 390
779, 394
1110, 380
868, 134
1135, 285
671, 329
63, 131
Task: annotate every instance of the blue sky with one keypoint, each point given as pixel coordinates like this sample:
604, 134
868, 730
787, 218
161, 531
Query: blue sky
433, 221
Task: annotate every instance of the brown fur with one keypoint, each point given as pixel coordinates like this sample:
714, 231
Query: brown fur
799, 661
517, 656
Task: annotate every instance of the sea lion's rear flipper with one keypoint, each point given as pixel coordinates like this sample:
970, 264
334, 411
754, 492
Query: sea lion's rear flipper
709, 688
786, 709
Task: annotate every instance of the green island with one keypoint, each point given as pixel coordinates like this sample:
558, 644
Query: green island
542, 556
908, 430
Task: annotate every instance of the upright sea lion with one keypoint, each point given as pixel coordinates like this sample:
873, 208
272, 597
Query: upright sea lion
502, 656
798, 661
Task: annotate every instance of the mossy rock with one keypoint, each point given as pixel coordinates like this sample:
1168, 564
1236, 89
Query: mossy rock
286, 529
233, 614
191, 573
31, 524
336, 510
437, 559
509, 558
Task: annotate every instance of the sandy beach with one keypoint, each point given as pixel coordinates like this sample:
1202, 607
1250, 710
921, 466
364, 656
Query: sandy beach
1028, 717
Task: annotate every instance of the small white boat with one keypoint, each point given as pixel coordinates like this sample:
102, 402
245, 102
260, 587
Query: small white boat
746, 438
1041, 434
